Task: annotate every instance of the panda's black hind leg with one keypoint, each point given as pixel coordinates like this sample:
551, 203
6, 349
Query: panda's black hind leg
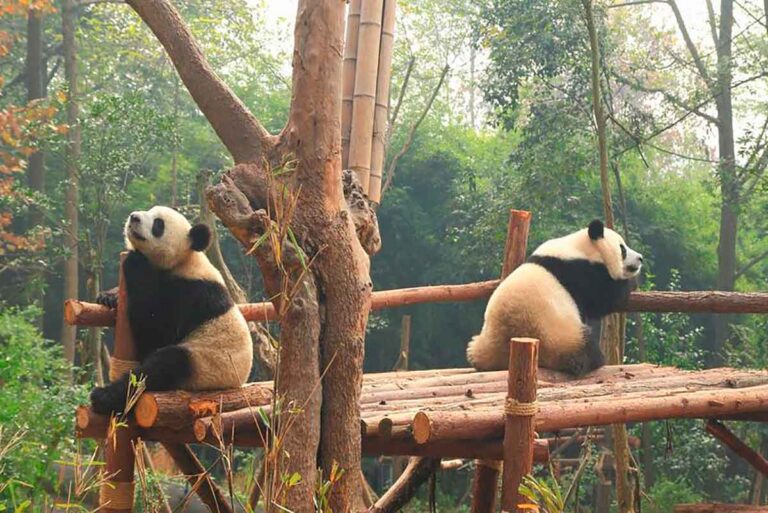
165, 369
590, 357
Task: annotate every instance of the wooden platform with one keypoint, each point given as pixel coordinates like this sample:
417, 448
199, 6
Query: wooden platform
460, 412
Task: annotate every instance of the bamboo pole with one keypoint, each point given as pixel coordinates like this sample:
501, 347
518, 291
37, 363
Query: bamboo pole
485, 480
730, 440
348, 77
364, 99
82, 313
378, 144
519, 421
116, 493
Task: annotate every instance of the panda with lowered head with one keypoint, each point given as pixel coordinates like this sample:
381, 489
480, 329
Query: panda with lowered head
559, 297
188, 332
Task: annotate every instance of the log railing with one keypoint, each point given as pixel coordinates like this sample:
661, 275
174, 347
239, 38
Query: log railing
82, 313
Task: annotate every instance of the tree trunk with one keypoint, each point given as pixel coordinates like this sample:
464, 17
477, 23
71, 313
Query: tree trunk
611, 337
35, 90
72, 157
305, 238
729, 215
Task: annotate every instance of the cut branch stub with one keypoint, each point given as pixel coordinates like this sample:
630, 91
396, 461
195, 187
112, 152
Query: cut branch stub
363, 215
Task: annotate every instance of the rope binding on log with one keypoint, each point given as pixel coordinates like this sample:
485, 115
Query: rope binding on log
515, 407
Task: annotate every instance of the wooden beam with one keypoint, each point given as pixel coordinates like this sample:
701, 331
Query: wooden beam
519, 429
730, 440
402, 491
81, 313
116, 493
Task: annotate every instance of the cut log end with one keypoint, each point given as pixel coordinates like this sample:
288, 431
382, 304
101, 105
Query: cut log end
422, 428
82, 417
146, 410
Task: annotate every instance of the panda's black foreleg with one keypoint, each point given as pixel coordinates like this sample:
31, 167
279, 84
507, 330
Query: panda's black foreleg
164, 369
590, 357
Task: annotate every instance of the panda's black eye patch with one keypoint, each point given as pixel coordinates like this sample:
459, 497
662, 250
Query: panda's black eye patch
158, 227
623, 251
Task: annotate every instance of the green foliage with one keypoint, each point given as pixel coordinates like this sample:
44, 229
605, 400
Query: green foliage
36, 399
544, 493
666, 494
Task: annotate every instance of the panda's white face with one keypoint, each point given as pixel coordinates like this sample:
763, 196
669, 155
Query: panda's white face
623, 263
164, 236
631, 260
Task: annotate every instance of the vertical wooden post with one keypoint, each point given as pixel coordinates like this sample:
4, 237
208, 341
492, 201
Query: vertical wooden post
399, 463
116, 495
486, 477
519, 425
405, 344
348, 78
517, 240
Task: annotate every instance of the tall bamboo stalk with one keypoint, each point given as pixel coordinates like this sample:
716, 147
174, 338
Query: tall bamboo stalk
382, 99
348, 78
613, 325
364, 99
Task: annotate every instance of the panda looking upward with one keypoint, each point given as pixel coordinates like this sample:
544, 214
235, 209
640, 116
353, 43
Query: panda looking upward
188, 332
559, 296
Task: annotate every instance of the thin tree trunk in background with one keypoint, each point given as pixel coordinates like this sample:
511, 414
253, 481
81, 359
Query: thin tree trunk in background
175, 150
729, 188
612, 326
72, 157
472, 114
646, 442
35, 90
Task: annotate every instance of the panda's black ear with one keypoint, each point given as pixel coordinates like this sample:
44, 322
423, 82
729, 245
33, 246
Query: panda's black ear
596, 229
200, 235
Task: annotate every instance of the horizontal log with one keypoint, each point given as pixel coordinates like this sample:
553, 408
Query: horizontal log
180, 408
89, 314
699, 302
92, 425
641, 407
719, 508
465, 449
82, 313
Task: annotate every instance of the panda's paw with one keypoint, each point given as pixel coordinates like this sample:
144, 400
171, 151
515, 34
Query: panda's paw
578, 364
108, 298
106, 400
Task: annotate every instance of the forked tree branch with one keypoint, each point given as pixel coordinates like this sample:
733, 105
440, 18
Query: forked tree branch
412, 132
245, 138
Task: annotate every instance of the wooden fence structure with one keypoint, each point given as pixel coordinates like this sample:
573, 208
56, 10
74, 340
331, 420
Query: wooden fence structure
445, 413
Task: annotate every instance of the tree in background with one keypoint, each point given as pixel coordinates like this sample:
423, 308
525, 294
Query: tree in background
291, 184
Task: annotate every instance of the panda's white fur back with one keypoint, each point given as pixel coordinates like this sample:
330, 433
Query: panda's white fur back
558, 297
532, 290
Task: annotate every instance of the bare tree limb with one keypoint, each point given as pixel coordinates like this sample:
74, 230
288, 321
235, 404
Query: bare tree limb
712, 22
636, 2
419, 469
245, 138
412, 131
401, 95
674, 100
702, 69
749, 265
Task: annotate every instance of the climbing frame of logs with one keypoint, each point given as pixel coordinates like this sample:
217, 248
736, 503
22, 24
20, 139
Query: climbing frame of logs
444, 413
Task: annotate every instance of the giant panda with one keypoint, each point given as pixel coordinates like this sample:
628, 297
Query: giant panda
559, 297
188, 332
